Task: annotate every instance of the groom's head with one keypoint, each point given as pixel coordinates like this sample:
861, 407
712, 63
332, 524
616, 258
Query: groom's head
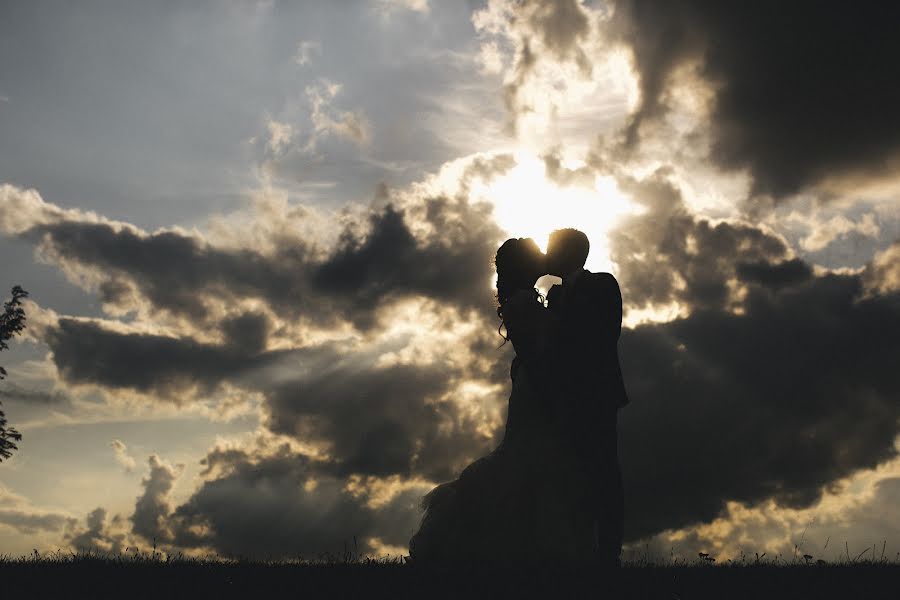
567, 251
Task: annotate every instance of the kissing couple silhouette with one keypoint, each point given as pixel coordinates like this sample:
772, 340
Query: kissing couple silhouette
552, 489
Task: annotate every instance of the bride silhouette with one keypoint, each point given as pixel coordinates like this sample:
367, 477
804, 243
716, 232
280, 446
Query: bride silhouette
526, 500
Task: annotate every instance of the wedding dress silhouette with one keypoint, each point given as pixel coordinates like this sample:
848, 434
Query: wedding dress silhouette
528, 499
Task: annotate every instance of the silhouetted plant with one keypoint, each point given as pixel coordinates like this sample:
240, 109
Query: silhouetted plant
8, 437
12, 322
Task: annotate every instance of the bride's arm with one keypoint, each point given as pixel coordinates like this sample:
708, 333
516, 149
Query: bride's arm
531, 328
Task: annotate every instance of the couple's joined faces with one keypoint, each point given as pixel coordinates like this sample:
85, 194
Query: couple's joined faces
567, 250
552, 262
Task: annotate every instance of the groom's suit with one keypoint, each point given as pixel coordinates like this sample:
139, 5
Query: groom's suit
589, 306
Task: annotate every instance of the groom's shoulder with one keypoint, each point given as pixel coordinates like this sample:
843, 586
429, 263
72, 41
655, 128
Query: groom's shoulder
602, 281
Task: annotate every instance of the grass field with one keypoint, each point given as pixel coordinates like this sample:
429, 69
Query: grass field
67, 575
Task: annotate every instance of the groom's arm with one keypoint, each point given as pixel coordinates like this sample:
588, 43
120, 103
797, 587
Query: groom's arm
605, 299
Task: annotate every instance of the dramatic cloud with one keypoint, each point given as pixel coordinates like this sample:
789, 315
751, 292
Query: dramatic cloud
667, 254
152, 507
277, 505
15, 512
17, 392
408, 388
803, 91
859, 517
99, 535
362, 335
28, 522
775, 384
379, 420
376, 260
555, 63
86, 352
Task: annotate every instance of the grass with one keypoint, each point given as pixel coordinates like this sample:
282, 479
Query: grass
154, 575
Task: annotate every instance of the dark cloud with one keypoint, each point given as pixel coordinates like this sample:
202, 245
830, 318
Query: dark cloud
378, 420
27, 522
278, 506
87, 352
870, 517
776, 392
777, 383
561, 25
667, 254
99, 535
388, 262
174, 271
374, 419
803, 90
32, 396
779, 402
247, 333
151, 511
374, 262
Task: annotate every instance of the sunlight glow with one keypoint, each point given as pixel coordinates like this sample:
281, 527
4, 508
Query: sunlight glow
528, 204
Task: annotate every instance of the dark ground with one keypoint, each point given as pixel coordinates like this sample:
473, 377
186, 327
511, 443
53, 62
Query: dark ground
79, 577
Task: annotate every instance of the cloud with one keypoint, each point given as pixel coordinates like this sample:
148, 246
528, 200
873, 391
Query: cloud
392, 373
16, 512
152, 508
859, 514
31, 522
122, 456
823, 234
388, 261
386, 8
305, 51
667, 254
280, 135
555, 62
99, 535
378, 420
371, 269
32, 396
772, 384
276, 504
433, 246
814, 100
883, 274
173, 368
328, 120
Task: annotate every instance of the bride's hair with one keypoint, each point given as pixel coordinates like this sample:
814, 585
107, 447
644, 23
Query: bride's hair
518, 263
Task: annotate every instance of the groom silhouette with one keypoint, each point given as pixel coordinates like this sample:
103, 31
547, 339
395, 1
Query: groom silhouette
587, 373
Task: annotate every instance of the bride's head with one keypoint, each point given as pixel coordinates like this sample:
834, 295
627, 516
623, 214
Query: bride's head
519, 264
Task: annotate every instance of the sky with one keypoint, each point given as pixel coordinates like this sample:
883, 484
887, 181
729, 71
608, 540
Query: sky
257, 238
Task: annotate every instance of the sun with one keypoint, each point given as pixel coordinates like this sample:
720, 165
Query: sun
528, 204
